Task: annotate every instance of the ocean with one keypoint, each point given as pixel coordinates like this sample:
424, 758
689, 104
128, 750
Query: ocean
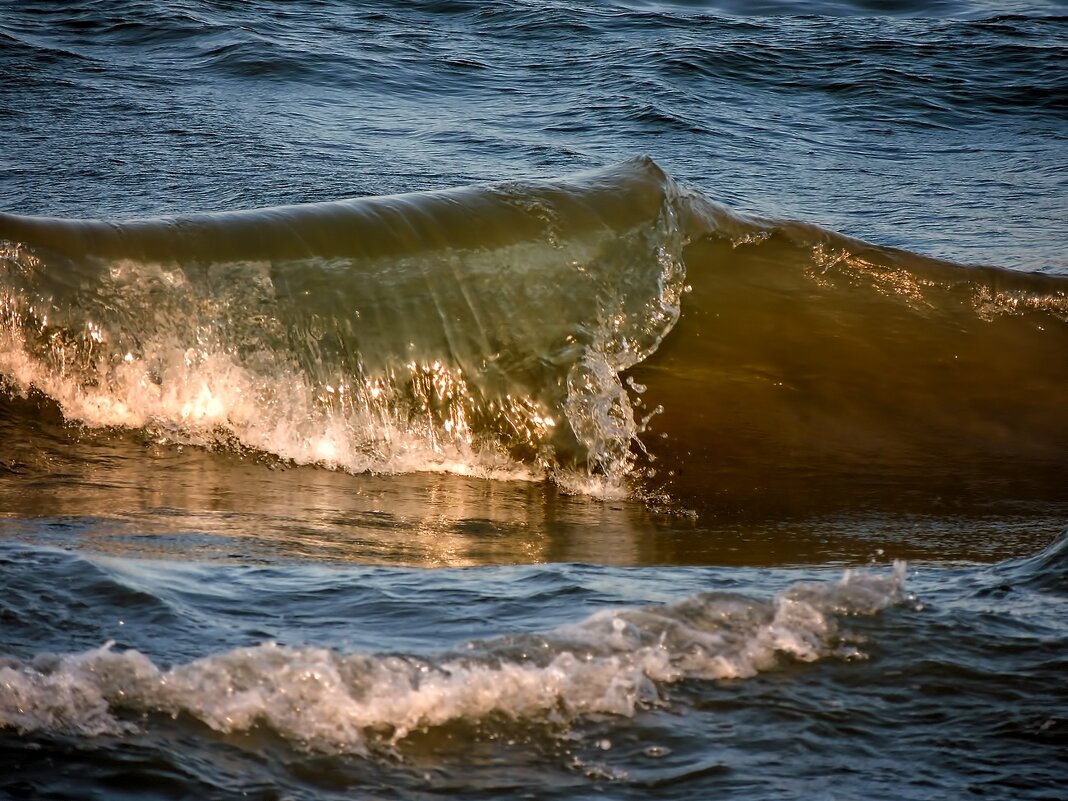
548, 400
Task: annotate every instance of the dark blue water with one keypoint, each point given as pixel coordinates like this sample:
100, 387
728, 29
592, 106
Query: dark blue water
939, 127
832, 566
304, 680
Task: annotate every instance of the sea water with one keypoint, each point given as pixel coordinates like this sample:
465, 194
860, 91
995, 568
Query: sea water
543, 400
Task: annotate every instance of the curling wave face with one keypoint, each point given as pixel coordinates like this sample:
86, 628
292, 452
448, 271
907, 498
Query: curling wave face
473, 330
521, 330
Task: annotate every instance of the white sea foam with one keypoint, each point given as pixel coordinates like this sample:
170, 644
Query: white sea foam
207, 397
614, 662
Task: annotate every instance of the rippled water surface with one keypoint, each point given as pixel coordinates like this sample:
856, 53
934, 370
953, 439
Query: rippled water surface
686, 421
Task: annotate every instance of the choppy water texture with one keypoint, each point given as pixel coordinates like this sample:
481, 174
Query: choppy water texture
533, 400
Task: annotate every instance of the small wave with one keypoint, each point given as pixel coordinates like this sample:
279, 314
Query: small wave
1046, 571
615, 662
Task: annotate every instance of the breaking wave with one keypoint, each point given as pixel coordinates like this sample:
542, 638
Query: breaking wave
472, 330
607, 330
